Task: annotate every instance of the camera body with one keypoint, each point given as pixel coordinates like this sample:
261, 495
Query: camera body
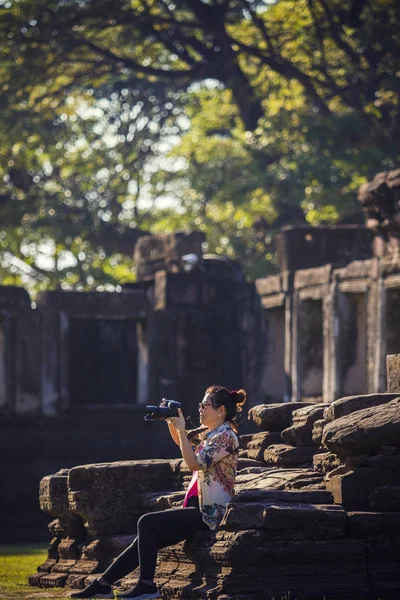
165, 410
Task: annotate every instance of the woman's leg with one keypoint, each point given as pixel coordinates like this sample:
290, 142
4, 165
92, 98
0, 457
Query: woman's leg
165, 528
155, 530
126, 562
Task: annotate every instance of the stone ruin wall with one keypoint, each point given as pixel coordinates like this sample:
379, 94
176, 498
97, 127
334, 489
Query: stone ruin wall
316, 511
318, 330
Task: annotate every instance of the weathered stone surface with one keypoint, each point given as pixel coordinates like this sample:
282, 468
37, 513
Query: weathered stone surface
258, 567
317, 431
260, 442
303, 419
326, 462
291, 496
164, 252
287, 456
364, 431
385, 499
97, 554
372, 525
279, 479
245, 463
378, 461
388, 450
53, 499
349, 404
52, 557
274, 417
248, 565
393, 373
383, 568
157, 501
111, 484
352, 462
244, 440
287, 521
352, 489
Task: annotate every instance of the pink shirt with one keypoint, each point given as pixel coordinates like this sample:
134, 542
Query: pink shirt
192, 489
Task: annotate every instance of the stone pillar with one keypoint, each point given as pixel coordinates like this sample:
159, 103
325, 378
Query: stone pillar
3, 391
393, 373
288, 289
16, 320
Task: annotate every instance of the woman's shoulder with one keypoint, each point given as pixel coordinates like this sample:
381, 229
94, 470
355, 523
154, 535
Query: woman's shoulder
224, 431
196, 436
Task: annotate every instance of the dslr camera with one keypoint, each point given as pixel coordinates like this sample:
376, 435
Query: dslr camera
165, 410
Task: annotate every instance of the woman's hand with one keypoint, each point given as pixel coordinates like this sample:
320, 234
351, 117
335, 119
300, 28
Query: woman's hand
179, 421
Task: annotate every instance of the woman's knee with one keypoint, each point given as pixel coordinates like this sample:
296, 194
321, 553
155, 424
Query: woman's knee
144, 523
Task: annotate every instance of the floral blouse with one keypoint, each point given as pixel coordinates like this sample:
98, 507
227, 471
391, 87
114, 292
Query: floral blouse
217, 454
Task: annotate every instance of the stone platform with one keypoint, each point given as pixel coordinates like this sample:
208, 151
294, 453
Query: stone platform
325, 525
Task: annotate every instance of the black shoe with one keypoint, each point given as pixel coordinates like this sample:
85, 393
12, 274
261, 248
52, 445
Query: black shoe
94, 590
141, 591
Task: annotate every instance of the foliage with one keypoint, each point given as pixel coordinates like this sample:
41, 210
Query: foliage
232, 116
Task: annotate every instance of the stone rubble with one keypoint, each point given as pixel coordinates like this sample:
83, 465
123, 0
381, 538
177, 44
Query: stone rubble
323, 526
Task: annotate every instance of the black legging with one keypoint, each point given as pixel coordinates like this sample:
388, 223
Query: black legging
154, 531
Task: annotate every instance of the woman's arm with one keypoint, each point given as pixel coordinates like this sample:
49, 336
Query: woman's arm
187, 451
173, 432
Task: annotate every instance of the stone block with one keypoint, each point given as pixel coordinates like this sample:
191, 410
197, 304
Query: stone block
279, 479
393, 373
287, 521
274, 417
282, 455
53, 499
110, 497
49, 580
352, 489
385, 499
244, 440
326, 462
363, 431
303, 419
164, 252
383, 559
52, 557
291, 496
254, 565
260, 442
98, 554
373, 525
317, 431
249, 463
349, 404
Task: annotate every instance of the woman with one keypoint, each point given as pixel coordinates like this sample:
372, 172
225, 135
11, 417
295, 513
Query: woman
211, 452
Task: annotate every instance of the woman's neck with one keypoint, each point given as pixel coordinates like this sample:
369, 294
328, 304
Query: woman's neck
213, 426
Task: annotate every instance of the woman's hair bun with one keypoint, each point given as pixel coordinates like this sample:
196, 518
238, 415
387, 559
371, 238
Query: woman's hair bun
239, 396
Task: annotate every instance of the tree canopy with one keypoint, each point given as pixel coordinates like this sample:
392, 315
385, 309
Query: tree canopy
231, 116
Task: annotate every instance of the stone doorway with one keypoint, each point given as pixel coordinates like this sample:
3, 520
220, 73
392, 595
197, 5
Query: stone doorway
103, 362
310, 349
352, 343
392, 321
273, 368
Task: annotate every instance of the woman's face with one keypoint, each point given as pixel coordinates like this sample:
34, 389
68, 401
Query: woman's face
210, 416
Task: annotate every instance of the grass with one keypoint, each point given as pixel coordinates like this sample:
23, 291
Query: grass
17, 562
